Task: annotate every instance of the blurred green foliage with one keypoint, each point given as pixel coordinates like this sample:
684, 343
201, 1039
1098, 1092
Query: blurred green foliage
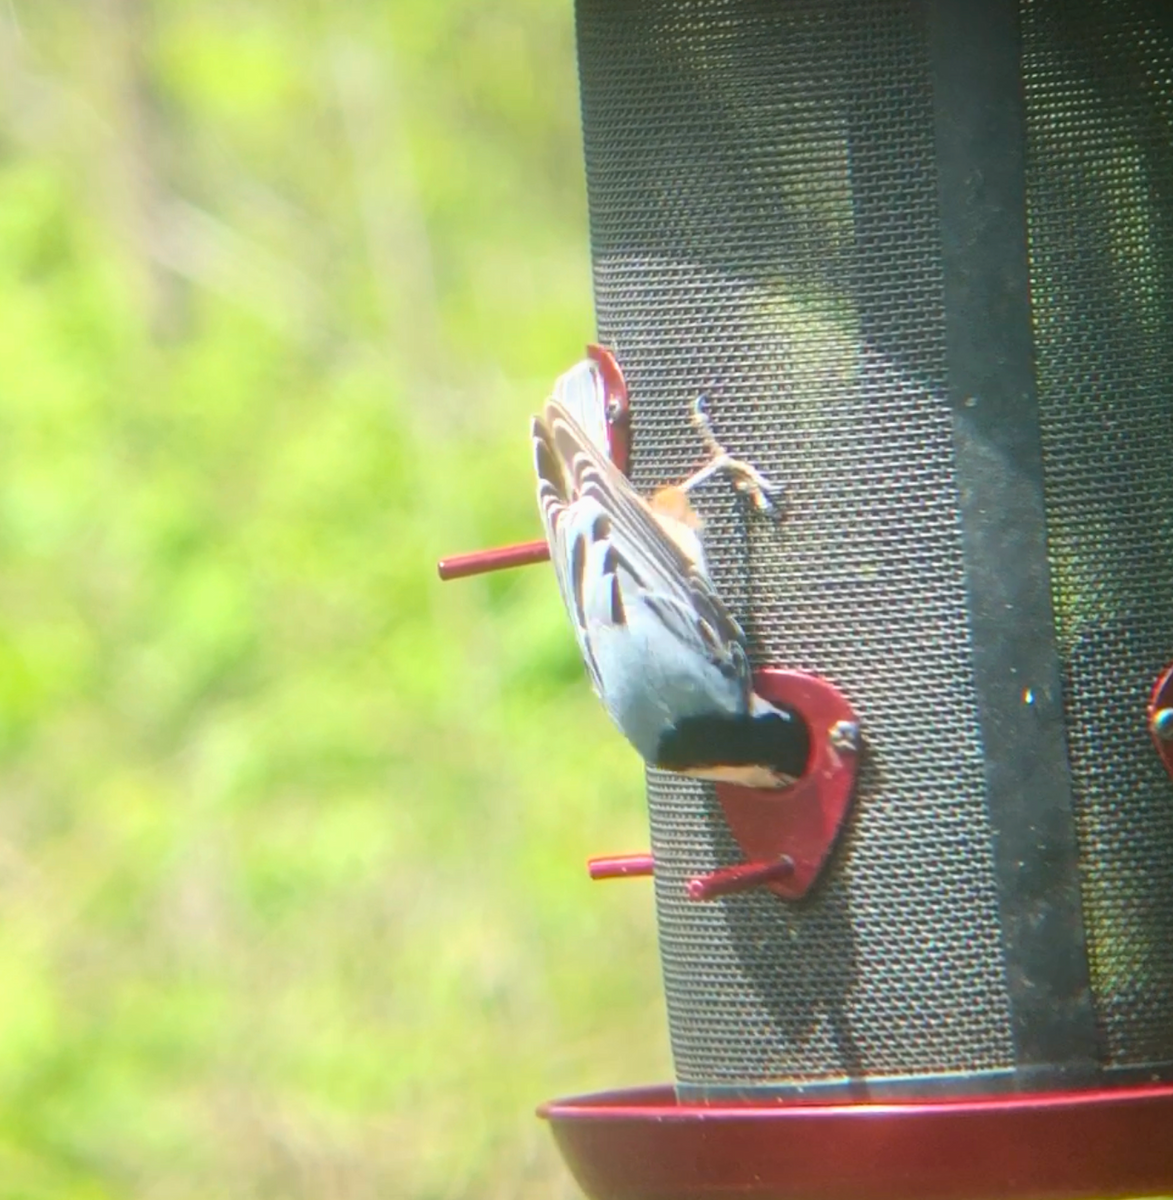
292, 898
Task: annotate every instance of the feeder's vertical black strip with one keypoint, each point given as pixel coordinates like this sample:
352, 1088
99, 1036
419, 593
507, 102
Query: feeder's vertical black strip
975, 53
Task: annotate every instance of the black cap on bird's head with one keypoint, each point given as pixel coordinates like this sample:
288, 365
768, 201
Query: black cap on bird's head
767, 747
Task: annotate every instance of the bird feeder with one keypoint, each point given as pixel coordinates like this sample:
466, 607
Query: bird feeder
920, 253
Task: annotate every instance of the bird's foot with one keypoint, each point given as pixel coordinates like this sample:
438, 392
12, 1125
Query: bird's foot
746, 478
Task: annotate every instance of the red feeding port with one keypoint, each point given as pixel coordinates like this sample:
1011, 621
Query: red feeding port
1160, 717
616, 406
787, 835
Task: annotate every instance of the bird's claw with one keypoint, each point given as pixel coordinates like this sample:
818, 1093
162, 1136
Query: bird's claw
747, 479
757, 487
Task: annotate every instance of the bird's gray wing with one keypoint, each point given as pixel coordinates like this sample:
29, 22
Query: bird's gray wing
607, 544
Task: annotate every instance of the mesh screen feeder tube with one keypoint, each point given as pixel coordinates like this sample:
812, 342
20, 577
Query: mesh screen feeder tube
921, 255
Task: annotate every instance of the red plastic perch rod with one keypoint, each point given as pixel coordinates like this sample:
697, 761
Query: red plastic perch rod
480, 561
621, 866
739, 879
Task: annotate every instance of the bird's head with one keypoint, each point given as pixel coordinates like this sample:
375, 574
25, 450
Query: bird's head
767, 747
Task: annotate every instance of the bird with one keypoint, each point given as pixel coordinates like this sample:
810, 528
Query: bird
663, 653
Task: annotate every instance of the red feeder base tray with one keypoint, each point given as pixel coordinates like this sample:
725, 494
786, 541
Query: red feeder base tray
645, 1145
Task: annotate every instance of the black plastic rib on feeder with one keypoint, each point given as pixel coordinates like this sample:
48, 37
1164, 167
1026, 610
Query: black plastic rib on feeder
923, 251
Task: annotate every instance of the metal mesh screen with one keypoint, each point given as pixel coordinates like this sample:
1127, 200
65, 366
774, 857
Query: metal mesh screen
1099, 90
764, 227
784, 214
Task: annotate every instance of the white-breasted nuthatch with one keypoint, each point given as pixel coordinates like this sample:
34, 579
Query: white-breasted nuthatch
664, 654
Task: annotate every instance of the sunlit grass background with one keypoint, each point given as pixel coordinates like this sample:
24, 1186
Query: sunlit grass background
292, 898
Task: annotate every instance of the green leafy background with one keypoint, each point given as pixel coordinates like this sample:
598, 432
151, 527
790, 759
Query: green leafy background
292, 897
